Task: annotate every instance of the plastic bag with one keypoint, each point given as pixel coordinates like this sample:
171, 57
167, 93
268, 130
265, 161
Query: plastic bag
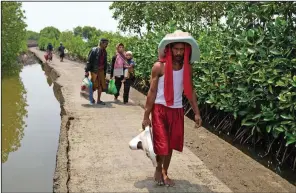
111, 87
106, 88
86, 89
145, 137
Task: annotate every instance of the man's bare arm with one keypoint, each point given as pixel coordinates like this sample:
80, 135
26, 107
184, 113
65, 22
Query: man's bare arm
193, 100
156, 70
193, 103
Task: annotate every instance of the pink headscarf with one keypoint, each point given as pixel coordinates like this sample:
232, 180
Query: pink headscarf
120, 60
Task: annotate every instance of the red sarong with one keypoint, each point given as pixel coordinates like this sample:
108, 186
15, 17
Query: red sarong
167, 129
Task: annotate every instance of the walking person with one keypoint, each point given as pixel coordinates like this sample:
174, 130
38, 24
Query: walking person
49, 50
170, 76
129, 75
97, 66
118, 65
62, 52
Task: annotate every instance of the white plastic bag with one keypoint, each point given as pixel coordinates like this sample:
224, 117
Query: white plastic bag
86, 88
146, 138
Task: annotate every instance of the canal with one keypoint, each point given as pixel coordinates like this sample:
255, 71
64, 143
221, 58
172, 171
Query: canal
30, 131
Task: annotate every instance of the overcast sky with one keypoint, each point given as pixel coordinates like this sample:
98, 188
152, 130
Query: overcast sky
67, 15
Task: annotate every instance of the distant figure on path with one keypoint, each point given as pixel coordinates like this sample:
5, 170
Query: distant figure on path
49, 50
62, 51
97, 66
170, 76
118, 64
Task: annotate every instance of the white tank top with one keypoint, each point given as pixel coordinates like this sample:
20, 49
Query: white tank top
178, 90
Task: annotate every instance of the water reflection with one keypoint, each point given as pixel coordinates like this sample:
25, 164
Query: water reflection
14, 111
31, 167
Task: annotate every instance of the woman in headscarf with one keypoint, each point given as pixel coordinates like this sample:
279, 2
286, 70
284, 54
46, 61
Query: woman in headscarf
118, 65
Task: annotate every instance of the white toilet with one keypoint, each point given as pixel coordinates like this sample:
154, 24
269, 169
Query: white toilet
146, 138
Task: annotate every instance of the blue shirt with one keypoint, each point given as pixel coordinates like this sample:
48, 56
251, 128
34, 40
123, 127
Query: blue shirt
131, 62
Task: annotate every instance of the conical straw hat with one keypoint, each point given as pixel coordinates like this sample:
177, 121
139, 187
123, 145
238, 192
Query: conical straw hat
180, 36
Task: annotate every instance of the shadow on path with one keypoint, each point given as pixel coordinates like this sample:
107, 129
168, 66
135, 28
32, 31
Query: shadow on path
107, 105
181, 186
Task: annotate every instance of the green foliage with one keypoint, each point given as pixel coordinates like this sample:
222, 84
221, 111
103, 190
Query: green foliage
86, 32
248, 65
136, 16
77, 31
31, 35
50, 33
43, 42
13, 35
74, 41
145, 50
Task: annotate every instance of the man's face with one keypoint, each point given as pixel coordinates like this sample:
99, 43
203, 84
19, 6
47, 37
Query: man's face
104, 44
178, 52
120, 49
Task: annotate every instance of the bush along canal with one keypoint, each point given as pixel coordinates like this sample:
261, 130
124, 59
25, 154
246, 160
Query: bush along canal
273, 155
30, 131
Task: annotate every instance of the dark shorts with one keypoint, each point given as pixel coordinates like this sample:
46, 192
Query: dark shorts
62, 55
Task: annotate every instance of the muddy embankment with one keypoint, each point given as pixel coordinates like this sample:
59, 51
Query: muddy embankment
27, 58
61, 174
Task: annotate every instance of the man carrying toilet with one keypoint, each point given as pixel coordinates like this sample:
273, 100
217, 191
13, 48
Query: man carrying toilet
170, 77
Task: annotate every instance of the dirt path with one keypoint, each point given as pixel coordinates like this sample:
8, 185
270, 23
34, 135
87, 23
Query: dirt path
93, 153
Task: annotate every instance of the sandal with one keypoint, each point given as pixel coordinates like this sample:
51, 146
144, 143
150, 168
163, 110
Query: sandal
100, 103
93, 102
159, 182
168, 182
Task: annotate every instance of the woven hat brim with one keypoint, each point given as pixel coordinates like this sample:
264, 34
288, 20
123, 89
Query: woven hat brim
195, 55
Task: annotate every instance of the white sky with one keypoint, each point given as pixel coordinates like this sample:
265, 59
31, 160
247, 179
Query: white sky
67, 15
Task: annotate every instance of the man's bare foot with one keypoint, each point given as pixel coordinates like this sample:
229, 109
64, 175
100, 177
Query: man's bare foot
167, 181
158, 177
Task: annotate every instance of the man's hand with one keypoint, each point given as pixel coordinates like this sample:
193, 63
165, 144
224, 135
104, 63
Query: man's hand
146, 122
198, 120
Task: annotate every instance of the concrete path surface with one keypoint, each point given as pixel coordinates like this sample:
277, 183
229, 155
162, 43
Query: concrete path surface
95, 139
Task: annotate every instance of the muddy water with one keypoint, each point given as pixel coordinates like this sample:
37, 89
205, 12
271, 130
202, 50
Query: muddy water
30, 132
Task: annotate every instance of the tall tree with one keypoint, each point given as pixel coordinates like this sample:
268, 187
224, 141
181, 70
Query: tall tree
50, 32
13, 36
31, 35
88, 32
77, 31
136, 16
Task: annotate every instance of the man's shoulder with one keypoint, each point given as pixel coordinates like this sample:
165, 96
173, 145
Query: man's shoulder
157, 67
158, 64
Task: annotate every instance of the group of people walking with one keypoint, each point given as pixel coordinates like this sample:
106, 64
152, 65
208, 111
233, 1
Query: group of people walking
122, 70
49, 50
171, 76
